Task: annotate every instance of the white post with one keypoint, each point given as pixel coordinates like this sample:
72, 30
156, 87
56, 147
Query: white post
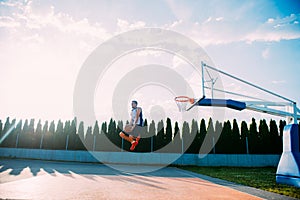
67, 142
212, 88
94, 144
290, 109
17, 140
122, 147
182, 146
214, 149
295, 113
41, 143
247, 147
151, 144
213, 81
202, 71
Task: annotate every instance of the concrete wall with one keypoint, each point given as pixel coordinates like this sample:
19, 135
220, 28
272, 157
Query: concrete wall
144, 158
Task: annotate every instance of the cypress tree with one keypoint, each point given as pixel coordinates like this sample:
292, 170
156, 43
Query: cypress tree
10, 138
23, 138
195, 146
81, 130
111, 127
244, 137
104, 128
145, 141
60, 137
210, 135
152, 131
146, 122
210, 127
167, 137
45, 136
102, 142
159, 138
281, 127
30, 135
176, 146
229, 139
80, 137
72, 135
225, 140
51, 135
96, 135
168, 131
204, 148
6, 126
275, 138
89, 139
253, 138
67, 127
38, 134
264, 137
218, 131
31, 126
236, 140
67, 133
113, 136
18, 131
5, 130
186, 136
119, 126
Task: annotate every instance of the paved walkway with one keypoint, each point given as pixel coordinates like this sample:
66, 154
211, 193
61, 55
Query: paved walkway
32, 179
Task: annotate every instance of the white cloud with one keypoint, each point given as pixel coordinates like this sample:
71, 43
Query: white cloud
276, 30
269, 36
176, 23
125, 25
10, 3
265, 53
270, 20
31, 18
208, 20
36, 37
215, 30
278, 81
219, 19
8, 22
212, 20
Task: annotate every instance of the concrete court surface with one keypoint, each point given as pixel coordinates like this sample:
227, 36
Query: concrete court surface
33, 179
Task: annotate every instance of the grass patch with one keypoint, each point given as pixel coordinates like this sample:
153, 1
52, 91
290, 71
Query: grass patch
261, 178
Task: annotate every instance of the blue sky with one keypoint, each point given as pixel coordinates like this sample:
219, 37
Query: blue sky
44, 43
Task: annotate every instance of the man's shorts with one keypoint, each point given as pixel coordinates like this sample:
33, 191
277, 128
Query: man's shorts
135, 132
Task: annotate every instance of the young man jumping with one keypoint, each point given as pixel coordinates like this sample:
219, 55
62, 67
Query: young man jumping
132, 131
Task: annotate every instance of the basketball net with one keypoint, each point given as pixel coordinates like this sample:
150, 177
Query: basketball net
182, 102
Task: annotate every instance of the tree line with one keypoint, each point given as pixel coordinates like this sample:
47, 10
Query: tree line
221, 138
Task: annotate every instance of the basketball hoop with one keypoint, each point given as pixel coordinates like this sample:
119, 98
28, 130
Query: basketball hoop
182, 102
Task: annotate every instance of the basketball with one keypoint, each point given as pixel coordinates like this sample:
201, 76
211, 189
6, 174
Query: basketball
128, 128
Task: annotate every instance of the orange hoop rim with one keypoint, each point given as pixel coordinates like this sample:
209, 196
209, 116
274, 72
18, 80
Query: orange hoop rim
183, 99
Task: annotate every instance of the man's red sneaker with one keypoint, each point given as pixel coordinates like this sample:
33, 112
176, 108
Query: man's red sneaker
133, 145
138, 138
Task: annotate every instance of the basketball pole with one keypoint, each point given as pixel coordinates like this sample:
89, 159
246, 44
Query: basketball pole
288, 169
